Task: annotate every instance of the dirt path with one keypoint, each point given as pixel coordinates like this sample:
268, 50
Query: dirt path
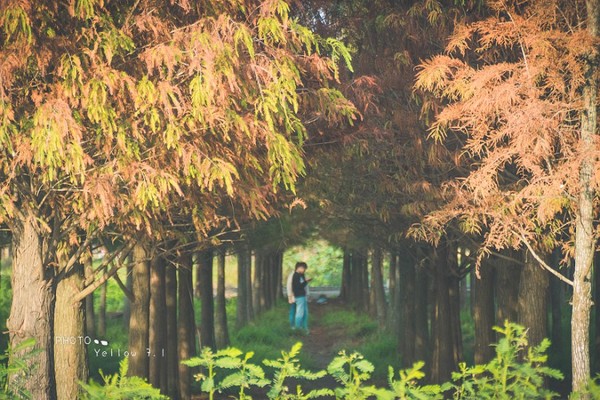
321, 343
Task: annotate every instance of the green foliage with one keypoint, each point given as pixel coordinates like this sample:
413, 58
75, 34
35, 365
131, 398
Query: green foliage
406, 387
323, 259
517, 372
288, 366
15, 364
352, 371
120, 387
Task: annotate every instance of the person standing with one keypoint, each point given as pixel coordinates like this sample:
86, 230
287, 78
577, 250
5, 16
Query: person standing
299, 283
291, 300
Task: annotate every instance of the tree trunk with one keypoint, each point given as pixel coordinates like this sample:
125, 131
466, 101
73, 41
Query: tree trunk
507, 278
32, 308
359, 285
377, 286
172, 364
585, 242
533, 294
557, 299
244, 299
483, 314
442, 363
70, 361
279, 276
102, 311
157, 335
421, 301
207, 311
455, 307
90, 313
345, 286
139, 323
129, 286
406, 302
221, 331
185, 323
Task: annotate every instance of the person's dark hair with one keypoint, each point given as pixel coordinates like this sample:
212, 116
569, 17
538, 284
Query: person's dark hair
300, 264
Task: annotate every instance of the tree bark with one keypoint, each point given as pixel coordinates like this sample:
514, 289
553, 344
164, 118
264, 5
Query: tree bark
186, 323
221, 330
157, 335
172, 364
557, 300
207, 311
32, 309
585, 242
139, 323
533, 294
484, 314
377, 286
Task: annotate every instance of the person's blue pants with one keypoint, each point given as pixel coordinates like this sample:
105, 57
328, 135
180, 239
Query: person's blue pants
293, 315
301, 313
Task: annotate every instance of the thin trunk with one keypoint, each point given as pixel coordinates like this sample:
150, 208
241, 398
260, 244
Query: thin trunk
139, 323
207, 311
483, 314
172, 365
90, 313
241, 316
126, 302
585, 242
533, 295
279, 276
31, 310
185, 323
157, 335
259, 289
70, 361
249, 303
346, 278
597, 312
455, 307
393, 321
102, 311
221, 331
557, 299
378, 289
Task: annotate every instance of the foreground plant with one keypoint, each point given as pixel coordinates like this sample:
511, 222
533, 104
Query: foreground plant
120, 387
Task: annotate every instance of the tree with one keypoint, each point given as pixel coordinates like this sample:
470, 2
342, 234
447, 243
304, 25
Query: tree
221, 330
519, 90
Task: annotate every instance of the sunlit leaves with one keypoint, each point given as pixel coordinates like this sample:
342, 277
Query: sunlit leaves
16, 24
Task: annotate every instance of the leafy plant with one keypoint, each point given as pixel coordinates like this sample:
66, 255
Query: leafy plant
352, 371
245, 375
120, 387
288, 366
15, 364
517, 372
406, 387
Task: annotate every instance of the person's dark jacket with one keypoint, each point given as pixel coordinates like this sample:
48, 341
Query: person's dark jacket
299, 285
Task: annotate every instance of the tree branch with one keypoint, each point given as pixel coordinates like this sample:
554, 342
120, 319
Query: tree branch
542, 262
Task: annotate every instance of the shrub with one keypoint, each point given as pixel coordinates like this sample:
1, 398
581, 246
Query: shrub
16, 367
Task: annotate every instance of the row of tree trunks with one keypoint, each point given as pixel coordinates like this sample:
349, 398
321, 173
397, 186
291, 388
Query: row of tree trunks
267, 284
359, 280
244, 312
221, 330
